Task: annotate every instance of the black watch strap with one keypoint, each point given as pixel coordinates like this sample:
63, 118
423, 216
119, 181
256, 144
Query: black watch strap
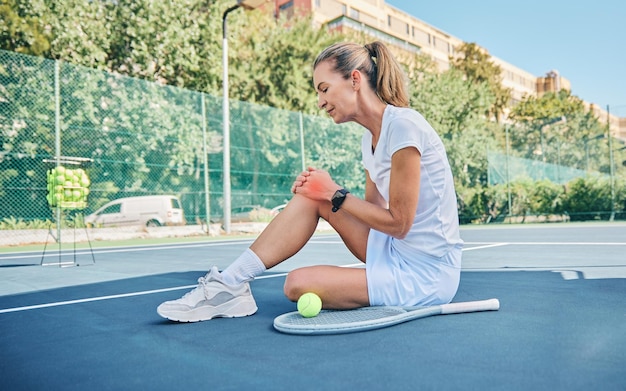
338, 198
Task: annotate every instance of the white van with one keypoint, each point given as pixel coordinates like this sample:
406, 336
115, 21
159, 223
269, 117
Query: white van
150, 211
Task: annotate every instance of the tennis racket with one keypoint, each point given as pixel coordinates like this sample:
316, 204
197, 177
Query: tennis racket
370, 318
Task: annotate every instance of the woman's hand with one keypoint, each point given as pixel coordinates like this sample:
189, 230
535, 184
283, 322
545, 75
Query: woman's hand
300, 179
315, 184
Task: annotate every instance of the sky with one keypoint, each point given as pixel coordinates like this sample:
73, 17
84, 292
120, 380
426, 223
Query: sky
584, 40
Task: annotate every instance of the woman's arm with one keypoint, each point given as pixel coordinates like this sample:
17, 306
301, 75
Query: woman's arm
395, 219
371, 192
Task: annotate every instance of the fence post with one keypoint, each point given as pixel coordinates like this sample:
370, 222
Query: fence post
508, 172
302, 141
207, 205
611, 169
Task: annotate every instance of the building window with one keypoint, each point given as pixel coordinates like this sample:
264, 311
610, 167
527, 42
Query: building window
355, 14
389, 20
344, 9
318, 3
286, 9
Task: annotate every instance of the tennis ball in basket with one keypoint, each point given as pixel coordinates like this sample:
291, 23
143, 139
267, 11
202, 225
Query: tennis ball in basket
309, 305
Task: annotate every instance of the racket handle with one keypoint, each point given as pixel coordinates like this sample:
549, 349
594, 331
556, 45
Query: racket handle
470, 306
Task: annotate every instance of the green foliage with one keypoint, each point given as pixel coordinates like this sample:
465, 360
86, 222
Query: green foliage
547, 107
73, 30
172, 42
12, 223
454, 107
546, 198
581, 199
480, 204
274, 66
558, 129
68, 221
22, 30
475, 63
81, 31
584, 195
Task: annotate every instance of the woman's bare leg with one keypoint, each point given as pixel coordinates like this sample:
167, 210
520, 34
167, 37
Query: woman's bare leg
291, 229
338, 287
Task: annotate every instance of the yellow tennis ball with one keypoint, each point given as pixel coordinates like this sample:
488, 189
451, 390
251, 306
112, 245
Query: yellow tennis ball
309, 305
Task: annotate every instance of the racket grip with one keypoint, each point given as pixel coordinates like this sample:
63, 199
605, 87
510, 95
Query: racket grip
470, 306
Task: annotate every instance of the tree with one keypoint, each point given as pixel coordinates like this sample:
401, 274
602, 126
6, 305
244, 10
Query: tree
274, 66
455, 107
172, 42
476, 65
559, 129
21, 29
76, 31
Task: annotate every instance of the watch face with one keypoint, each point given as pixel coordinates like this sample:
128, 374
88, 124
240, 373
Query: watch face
338, 198
341, 193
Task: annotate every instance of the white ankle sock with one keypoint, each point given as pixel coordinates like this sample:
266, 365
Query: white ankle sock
245, 268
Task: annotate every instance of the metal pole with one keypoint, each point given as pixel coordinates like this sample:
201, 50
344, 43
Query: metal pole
57, 140
226, 119
207, 205
541, 151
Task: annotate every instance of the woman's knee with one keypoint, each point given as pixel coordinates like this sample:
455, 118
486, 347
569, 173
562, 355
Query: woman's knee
295, 284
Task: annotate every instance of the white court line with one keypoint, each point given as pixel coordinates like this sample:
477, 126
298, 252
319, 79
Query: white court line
52, 253
558, 243
123, 295
138, 248
87, 300
485, 246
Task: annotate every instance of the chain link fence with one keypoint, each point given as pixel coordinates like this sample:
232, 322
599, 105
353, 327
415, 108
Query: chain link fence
505, 169
140, 138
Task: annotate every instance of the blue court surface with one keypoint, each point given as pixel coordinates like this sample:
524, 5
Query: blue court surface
561, 323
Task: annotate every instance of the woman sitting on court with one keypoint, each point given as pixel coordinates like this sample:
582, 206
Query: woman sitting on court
405, 230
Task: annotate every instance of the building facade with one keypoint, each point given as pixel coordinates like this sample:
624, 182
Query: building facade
407, 33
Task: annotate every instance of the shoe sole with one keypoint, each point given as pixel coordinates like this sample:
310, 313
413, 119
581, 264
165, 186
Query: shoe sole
231, 309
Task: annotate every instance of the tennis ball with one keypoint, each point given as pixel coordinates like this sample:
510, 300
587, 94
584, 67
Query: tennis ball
309, 305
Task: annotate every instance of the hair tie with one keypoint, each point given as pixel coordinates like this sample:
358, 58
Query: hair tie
372, 54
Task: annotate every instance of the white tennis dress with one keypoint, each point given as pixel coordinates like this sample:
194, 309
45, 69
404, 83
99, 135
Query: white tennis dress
424, 267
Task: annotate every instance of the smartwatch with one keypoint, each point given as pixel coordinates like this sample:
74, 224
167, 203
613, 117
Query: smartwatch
338, 198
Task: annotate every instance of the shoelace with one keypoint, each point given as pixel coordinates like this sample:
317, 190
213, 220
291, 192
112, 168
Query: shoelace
202, 281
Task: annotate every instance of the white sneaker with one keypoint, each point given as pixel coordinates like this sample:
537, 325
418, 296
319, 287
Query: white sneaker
212, 298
